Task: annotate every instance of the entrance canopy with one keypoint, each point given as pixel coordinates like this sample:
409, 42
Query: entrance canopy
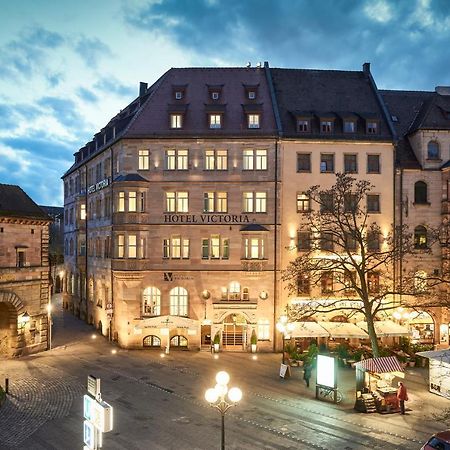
308, 329
383, 364
386, 328
344, 330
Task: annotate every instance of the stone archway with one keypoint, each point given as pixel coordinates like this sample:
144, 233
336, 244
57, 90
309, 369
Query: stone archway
10, 306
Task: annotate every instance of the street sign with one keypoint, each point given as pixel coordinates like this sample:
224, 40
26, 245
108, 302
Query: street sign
93, 386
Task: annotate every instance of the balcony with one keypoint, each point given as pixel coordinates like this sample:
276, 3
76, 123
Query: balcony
234, 304
254, 265
131, 264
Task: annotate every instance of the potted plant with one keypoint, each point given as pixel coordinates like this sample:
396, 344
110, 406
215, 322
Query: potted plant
216, 342
253, 341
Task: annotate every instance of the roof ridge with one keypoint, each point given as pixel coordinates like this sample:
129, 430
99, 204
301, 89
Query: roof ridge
405, 91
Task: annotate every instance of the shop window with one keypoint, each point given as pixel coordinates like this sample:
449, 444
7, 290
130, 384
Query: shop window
178, 301
151, 301
179, 341
151, 341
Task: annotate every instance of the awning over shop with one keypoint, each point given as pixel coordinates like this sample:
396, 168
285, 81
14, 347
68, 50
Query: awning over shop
383, 364
167, 322
440, 355
386, 328
308, 329
344, 330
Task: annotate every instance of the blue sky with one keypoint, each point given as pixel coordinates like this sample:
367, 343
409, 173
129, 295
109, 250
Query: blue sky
67, 67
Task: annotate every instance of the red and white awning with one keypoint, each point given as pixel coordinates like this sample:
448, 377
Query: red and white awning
383, 364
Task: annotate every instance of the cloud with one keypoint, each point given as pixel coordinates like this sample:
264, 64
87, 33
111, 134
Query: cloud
64, 110
87, 95
92, 50
379, 11
112, 85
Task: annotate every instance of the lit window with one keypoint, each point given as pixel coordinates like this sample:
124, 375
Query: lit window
176, 248
255, 202
151, 301
215, 121
215, 248
253, 120
303, 204
254, 248
420, 237
83, 211
373, 282
303, 285
247, 160
177, 202
120, 246
215, 95
132, 246
216, 159
151, 341
178, 302
121, 206
208, 202
132, 201
215, 202
261, 160
177, 159
178, 341
178, 95
251, 95
176, 121
144, 160
263, 330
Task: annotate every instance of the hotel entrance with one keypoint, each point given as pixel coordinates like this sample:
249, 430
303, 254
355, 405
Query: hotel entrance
234, 332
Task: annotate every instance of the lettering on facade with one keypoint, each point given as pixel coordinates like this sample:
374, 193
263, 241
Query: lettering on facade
98, 186
170, 276
206, 218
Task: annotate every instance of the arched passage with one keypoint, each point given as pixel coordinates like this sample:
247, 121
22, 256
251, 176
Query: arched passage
10, 305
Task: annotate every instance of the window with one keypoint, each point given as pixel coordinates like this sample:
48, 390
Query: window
142, 201
373, 203
350, 164
177, 159
326, 282
253, 120
373, 163
373, 241
178, 302
303, 162
21, 257
176, 121
120, 246
178, 341
303, 284
177, 202
254, 248
215, 247
420, 237
350, 242
83, 211
326, 203
121, 205
151, 301
326, 162
144, 160
215, 202
326, 126
373, 282
349, 126
350, 203
263, 332
178, 95
303, 240
255, 202
254, 159
216, 159
326, 242
420, 192
132, 246
215, 121
251, 95
151, 341
132, 201
303, 203
372, 127
433, 150
349, 282
71, 247
215, 95
303, 126
176, 248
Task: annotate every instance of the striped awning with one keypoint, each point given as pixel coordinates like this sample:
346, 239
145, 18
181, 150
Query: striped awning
383, 364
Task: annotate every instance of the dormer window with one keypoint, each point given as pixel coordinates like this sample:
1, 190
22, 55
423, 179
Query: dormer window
176, 121
372, 127
215, 95
215, 121
253, 121
178, 95
303, 125
433, 150
326, 126
251, 95
349, 126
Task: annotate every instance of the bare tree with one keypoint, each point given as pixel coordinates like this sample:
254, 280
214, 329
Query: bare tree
349, 259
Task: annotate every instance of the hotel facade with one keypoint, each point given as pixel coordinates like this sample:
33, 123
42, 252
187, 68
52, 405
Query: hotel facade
182, 212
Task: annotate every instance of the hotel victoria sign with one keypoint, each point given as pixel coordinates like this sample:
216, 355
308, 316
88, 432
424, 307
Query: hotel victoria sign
98, 186
206, 218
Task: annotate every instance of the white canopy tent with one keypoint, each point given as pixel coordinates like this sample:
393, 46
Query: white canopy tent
308, 329
385, 328
344, 330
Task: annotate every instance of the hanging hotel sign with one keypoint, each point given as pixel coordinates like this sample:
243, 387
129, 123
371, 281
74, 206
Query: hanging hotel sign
206, 218
98, 186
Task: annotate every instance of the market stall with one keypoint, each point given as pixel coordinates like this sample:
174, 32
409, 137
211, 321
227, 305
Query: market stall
374, 389
439, 375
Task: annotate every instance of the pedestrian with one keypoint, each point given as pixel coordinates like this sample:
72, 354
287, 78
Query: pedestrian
307, 373
402, 395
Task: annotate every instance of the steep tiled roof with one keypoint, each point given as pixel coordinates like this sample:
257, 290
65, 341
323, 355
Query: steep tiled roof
15, 203
434, 114
328, 93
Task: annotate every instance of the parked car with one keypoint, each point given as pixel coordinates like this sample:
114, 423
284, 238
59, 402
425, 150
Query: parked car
439, 441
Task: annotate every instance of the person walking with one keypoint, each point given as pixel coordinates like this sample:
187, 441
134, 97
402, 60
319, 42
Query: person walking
307, 373
402, 395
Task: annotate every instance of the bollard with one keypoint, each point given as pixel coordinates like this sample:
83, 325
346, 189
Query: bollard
6, 385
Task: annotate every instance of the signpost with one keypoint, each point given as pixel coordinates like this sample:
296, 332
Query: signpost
98, 415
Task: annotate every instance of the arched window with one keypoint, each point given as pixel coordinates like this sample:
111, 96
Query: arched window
234, 291
151, 301
433, 150
179, 341
151, 341
178, 301
420, 237
420, 192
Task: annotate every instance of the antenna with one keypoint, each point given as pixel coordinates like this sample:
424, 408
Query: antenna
248, 65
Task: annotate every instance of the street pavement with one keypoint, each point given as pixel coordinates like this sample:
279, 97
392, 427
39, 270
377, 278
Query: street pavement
159, 401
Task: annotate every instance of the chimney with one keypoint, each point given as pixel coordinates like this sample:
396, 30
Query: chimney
366, 68
142, 88
442, 90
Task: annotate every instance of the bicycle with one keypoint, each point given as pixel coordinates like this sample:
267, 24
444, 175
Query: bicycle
328, 393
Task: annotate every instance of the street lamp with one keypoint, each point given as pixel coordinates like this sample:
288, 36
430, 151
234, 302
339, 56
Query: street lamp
216, 398
285, 328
